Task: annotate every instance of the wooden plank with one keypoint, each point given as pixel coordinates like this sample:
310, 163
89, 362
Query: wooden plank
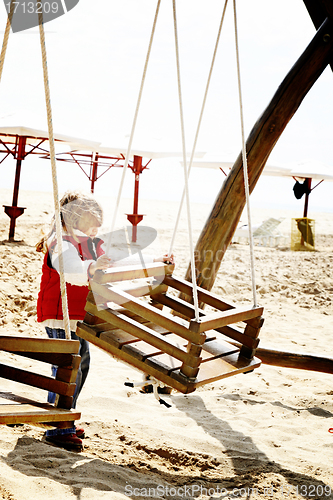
117, 337
91, 319
204, 296
144, 333
141, 350
169, 362
224, 367
25, 344
298, 361
224, 318
235, 333
16, 409
35, 380
217, 349
49, 357
148, 312
178, 305
146, 289
187, 310
124, 273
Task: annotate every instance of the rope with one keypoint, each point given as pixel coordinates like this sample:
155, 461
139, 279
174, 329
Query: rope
6, 37
194, 279
133, 127
198, 126
245, 170
54, 181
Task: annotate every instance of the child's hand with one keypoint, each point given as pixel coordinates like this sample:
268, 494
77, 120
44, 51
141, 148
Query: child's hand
103, 262
167, 259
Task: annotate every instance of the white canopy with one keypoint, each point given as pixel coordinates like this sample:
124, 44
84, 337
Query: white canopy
309, 169
35, 135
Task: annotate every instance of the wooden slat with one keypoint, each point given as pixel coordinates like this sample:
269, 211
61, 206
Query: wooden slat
235, 333
116, 337
142, 332
35, 380
26, 344
224, 367
15, 409
178, 305
224, 318
124, 273
170, 363
217, 349
141, 350
187, 310
146, 289
205, 296
49, 357
114, 294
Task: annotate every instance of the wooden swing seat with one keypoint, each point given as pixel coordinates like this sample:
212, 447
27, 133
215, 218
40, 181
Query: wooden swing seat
15, 409
172, 347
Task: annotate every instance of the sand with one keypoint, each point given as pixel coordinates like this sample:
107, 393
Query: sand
260, 435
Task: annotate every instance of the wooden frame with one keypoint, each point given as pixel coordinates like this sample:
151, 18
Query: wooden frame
15, 409
170, 346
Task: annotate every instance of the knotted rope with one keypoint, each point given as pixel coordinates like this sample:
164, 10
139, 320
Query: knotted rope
54, 181
245, 170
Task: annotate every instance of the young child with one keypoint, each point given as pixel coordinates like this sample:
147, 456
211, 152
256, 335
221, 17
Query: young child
83, 255
81, 217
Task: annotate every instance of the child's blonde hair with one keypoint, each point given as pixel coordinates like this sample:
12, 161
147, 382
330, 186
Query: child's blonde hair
74, 206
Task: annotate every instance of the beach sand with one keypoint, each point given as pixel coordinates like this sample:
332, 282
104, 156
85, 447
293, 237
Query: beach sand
260, 435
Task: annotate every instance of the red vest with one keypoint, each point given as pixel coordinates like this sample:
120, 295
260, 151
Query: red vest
49, 304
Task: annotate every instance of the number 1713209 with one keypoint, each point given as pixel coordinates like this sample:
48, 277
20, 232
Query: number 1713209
33, 7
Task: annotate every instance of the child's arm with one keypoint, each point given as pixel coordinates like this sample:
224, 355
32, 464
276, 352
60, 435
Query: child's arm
76, 270
103, 262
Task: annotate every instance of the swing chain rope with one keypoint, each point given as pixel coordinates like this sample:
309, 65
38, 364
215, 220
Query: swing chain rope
199, 125
129, 147
193, 273
6, 37
245, 169
54, 180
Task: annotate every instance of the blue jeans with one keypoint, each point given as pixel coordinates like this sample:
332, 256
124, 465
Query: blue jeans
59, 333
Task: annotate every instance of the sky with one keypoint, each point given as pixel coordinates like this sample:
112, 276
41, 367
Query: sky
96, 54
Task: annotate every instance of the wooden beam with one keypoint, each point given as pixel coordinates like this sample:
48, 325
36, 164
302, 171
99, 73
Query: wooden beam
224, 318
295, 360
26, 344
222, 222
16, 409
133, 272
36, 380
287, 359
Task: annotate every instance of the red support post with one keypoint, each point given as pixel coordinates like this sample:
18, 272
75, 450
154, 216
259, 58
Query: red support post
94, 173
135, 218
14, 211
307, 193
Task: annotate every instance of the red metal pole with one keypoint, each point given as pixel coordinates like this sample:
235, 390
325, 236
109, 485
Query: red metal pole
308, 191
94, 172
14, 211
135, 218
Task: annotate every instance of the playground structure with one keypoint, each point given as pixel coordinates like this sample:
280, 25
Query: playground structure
140, 333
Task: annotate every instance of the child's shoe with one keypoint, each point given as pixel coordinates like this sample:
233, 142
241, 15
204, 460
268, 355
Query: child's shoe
79, 431
67, 441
